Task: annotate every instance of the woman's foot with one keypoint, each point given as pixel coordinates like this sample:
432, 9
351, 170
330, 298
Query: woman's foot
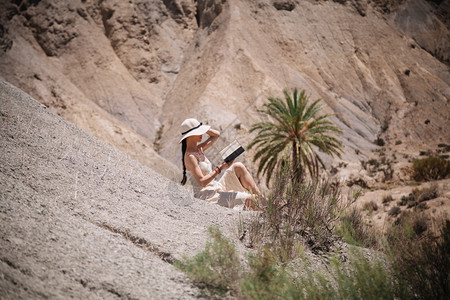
254, 202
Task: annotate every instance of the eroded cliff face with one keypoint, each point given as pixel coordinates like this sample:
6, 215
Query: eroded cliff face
104, 65
381, 84
131, 72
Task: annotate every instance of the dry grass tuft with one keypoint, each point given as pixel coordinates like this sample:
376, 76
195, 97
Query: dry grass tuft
297, 213
370, 206
431, 168
355, 231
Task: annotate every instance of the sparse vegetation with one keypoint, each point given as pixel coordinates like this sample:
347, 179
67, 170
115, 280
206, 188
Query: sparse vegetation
444, 148
418, 196
311, 215
394, 211
216, 268
357, 279
431, 168
421, 261
416, 265
267, 278
355, 231
370, 206
294, 213
419, 268
387, 199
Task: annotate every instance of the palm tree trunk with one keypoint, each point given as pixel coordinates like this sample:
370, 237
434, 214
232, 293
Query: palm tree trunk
295, 163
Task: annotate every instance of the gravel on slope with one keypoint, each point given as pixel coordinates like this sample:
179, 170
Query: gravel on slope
81, 219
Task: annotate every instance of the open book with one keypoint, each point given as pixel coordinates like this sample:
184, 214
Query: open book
231, 151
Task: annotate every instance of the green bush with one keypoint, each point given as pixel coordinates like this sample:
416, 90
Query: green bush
355, 231
431, 168
421, 261
364, 279
265, 278
216, 268
358, 278
419, 272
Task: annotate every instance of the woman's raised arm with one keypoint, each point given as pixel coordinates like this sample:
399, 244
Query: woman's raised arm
213, 136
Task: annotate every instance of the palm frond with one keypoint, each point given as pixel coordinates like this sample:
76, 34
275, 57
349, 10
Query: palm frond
298, 123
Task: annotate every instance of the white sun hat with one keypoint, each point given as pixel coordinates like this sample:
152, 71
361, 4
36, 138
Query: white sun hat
191, 127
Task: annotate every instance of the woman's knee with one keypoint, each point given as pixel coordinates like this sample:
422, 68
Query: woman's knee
239, 167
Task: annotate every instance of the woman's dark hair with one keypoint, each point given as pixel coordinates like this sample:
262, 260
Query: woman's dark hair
183, 151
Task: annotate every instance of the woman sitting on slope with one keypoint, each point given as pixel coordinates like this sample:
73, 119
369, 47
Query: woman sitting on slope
235, 187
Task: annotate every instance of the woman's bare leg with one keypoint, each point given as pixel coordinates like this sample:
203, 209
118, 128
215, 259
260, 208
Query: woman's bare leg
245, 178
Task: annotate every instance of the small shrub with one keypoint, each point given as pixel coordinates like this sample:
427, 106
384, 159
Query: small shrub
411, 203
420, 195
394, 211
445, 147
380, 142
422, 206
370, 206
355, 231
216, 268
426, 194
419, 225
431, 168
358, 278
265, 279
387, 199
297, 212
373, 162
404, 200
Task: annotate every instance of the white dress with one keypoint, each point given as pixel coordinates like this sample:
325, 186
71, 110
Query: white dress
227, 191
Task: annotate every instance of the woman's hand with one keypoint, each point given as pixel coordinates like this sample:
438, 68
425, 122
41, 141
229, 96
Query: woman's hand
225, 165
213, 132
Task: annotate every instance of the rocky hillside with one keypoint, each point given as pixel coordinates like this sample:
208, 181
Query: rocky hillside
81, 219
130, 72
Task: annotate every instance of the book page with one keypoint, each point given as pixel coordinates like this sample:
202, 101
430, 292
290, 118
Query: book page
232, 151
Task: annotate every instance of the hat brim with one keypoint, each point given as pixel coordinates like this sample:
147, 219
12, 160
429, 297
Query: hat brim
199, 131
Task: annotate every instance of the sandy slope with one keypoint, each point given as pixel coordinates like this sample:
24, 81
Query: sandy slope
82, 219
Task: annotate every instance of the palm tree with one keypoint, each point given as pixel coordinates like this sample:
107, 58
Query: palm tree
296, 124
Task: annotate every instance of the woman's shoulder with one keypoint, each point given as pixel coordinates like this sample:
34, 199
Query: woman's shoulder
197, 154
191, 156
